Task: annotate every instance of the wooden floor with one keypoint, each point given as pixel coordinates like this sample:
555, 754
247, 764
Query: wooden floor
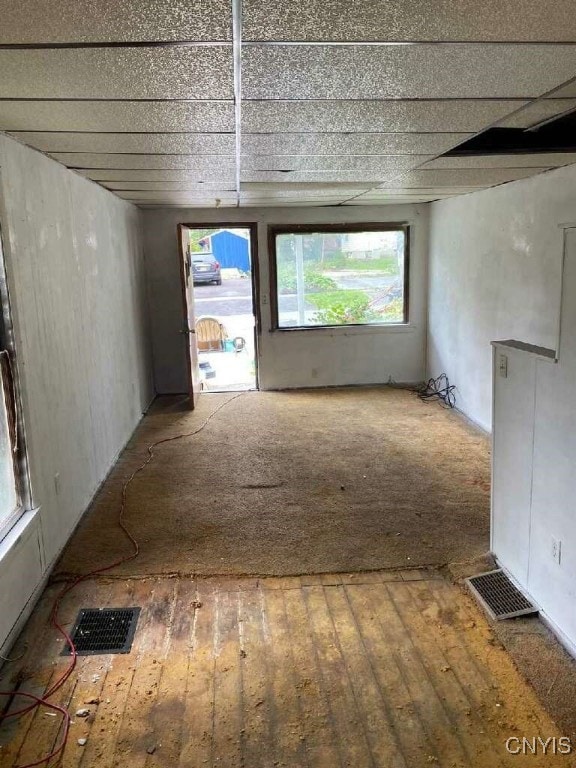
375, 670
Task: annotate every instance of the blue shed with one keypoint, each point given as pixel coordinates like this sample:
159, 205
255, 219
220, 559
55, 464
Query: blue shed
230, 247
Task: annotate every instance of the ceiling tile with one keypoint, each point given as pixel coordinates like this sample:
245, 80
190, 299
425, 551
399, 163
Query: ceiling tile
135, 162
304, 186
267, 203
404, 71
124, 116
181, 72
211, 188
374, 163
376, 177
542, 160
40, 21
372, 20
403, 191
104, 174
169, 143
286, 194
175, 196
351, 143
479, 177
378, 116
537, 112
569, 91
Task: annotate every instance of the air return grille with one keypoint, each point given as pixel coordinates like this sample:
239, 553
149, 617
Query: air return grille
104, 630
499, 596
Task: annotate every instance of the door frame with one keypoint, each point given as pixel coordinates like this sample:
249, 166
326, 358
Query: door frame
252, 227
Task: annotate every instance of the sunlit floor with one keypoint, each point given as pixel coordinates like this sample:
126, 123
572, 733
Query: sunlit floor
378, 670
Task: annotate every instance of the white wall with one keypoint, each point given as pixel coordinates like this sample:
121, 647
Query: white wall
319, 357
76, 276
534, 484
494, 273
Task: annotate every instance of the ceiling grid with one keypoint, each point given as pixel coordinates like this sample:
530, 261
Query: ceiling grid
278, 102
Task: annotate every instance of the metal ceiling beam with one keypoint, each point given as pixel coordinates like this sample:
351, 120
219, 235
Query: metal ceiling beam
237, 59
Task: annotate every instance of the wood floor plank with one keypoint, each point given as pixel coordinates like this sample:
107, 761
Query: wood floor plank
388, 669
135, 736
283, 683
352, 741
461, 712
197, 731
259, 747
317, 727
384, 743
227, 683
167, 714
447, 749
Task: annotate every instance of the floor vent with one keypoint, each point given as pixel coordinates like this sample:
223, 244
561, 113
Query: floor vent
499, 596
103, 630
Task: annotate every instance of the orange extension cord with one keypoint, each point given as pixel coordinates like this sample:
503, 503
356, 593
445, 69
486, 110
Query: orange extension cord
38, 701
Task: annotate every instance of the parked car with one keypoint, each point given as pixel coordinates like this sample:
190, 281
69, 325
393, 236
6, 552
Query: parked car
205, 269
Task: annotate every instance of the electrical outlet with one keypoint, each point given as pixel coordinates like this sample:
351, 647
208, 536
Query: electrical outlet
503, 366
556, 550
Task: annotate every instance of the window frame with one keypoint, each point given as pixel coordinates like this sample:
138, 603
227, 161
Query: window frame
14, 402
303, 229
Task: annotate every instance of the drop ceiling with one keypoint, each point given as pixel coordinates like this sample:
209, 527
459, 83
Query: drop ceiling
276, 102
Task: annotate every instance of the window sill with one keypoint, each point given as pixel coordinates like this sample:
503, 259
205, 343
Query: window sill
349, 330
19, 531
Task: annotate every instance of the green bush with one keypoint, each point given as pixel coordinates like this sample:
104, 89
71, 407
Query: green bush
342, 308
314, 280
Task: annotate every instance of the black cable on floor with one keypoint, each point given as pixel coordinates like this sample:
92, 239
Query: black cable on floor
438, 389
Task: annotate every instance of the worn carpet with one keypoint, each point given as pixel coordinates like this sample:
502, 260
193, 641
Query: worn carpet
281, 483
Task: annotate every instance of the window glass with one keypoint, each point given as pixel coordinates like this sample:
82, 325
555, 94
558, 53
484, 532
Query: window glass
340, 278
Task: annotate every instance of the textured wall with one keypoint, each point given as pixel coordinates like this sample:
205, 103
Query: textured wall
495, 273
78, 294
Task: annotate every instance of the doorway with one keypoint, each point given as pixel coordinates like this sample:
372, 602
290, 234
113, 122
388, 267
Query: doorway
222, 267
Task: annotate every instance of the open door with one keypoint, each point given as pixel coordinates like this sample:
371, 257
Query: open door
188, 330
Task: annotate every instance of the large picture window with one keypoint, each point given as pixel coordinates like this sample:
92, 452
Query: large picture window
331, 276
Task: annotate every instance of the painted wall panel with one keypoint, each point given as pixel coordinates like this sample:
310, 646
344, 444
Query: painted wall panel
75, 269
494, 273
318, 357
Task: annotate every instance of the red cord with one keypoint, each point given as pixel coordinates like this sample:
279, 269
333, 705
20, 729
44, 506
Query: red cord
43, 700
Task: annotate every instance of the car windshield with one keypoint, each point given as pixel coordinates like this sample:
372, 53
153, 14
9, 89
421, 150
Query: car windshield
204, 258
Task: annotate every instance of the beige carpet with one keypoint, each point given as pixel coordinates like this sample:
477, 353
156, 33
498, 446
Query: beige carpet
295, 482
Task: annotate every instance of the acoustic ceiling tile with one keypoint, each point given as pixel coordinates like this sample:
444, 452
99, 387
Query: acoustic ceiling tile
196, 176
148, 72
123, 116
158, 162
567, 92
378, 116
352, 177
351, 143
541, 160
206, 189
478, 177
537, 112
385, 20
73, 21
404, 71
149, 143
333, 162
175, 196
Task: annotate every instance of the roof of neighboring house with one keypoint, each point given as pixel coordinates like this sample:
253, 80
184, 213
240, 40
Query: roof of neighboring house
238, 232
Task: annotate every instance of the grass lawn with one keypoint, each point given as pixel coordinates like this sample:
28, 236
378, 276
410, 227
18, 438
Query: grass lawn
386, 265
